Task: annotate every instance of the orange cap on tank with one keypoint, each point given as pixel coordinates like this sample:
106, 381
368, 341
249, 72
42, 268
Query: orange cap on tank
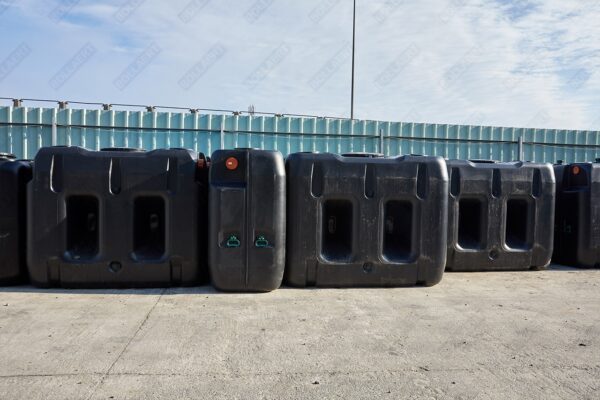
231, 163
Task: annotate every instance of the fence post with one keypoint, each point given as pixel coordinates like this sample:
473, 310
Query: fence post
222, 134
53, 132
520, 148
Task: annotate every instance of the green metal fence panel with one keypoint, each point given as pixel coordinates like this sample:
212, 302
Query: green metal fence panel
23, 130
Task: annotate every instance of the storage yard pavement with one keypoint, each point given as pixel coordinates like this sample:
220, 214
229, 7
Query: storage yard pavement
500, 335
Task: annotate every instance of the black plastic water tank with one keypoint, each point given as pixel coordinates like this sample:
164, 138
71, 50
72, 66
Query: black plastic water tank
14, 175
365, 220
247, 220
577, 222
500, 215
115, 218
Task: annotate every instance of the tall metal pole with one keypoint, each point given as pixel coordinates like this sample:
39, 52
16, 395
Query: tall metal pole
353, 41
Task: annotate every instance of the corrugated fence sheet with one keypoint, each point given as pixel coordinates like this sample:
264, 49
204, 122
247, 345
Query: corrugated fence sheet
24, 130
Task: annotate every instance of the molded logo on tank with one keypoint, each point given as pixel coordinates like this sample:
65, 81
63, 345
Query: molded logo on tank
233, 242
261, 242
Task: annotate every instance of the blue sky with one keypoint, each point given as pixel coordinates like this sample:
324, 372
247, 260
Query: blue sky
492, 62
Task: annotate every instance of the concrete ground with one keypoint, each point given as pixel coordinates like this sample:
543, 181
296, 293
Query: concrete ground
508, 335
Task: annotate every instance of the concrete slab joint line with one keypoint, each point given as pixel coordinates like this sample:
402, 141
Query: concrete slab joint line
139, 328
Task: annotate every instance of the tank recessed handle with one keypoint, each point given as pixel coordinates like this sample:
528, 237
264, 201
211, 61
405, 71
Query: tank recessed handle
7, 156
123, 149
363, 155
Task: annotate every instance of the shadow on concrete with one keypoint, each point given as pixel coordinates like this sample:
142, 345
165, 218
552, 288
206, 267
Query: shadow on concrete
173, 291
557, 267
206, 289
550, 268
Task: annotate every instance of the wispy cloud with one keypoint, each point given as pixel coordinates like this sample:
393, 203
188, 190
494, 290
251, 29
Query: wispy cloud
497, 62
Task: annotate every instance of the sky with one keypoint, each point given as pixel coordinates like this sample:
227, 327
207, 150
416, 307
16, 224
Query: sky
525, 63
